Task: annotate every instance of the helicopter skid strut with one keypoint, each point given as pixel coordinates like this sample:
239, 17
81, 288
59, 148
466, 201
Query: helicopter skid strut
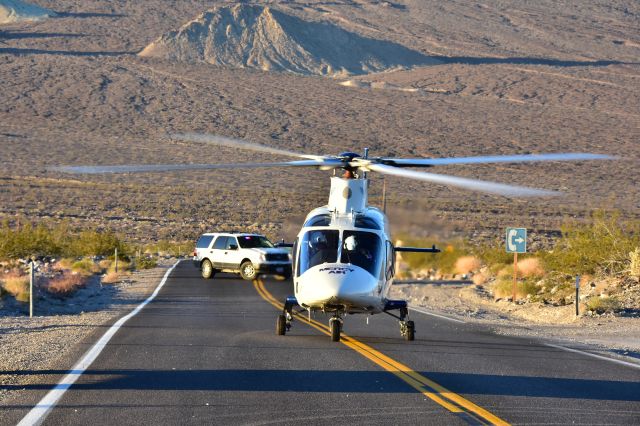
407, 328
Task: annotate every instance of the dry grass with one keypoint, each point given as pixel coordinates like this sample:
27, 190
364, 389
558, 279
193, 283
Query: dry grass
530, 267
111, 278
105, 264
467, 264
85, 267
122, 267
16, 284
479, 279
503, 287
66, 284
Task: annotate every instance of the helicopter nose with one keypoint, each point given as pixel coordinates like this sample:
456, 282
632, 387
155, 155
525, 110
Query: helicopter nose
336, 284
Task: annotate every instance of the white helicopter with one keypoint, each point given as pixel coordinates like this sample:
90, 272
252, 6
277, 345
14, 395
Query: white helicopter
343, 257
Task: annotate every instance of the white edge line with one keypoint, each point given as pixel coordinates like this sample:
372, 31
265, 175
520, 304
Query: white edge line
422, 311
602, 357
39, 413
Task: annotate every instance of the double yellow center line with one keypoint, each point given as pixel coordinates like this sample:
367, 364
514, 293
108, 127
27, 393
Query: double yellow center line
432, 390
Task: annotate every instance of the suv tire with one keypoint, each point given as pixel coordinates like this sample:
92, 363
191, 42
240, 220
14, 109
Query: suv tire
248, 271
207, 269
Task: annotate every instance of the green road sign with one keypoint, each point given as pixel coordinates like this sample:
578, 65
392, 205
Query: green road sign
516, 240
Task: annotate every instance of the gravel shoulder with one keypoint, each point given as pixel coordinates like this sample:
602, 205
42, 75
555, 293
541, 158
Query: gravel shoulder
617, 336
53, 338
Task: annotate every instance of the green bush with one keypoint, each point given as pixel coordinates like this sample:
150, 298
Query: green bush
146, 262
601, 305
25, 240
601, 246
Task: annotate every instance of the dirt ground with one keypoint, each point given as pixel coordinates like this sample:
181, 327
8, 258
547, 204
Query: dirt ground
620, 335
515, 77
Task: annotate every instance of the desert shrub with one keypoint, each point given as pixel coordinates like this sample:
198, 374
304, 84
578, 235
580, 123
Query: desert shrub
146, 262
530, 267
64, 263
27, 240
601, 246
634, 263
66, 284
85, 267
466, 264
503, 287
111, 278
601, 305
170, 248
122, 266
105, 264
493, 255
479, 279
16, 284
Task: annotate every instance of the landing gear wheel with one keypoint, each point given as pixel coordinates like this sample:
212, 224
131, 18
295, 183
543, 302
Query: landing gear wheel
207, 269
281, 325
335, 326
248, 271
410, 333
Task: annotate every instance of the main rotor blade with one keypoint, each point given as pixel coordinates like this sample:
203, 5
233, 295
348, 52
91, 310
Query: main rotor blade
428, 162
150, 168
238, 143
475, 185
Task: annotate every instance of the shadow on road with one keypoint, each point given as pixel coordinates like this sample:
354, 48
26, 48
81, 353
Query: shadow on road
337, 381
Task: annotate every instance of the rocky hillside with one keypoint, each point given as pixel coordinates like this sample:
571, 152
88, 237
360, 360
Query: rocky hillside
252, 36
16, 10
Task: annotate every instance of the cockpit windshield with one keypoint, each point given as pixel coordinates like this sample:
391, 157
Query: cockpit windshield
317, 247
362, 249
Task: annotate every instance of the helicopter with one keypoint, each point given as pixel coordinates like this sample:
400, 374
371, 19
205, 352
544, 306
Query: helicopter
343, 256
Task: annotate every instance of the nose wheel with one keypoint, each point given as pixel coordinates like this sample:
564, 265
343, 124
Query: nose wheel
335, 325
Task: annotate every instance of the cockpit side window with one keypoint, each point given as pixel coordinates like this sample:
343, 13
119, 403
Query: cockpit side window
319, 220
366, 223
362, 249
317, 247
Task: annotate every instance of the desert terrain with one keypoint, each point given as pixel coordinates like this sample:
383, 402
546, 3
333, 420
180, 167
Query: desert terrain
497, 78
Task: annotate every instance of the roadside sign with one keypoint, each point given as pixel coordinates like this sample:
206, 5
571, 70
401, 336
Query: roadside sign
516, 240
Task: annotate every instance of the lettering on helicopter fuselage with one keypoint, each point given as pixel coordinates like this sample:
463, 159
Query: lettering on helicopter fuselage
336, 270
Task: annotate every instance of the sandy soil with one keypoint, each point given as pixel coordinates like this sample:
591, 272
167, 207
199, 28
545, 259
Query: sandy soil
47, 340
620, 335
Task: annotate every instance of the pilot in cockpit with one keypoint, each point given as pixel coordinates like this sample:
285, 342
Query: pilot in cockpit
354, 252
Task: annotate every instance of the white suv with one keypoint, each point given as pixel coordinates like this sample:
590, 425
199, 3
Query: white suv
247, 254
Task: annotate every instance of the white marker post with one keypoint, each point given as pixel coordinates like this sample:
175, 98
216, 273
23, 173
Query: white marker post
116, 259
577, 295
32, 276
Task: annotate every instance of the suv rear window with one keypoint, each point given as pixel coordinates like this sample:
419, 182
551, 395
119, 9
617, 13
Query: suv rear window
204, 241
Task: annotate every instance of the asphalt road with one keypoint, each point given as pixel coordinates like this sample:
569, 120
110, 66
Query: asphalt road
205, 352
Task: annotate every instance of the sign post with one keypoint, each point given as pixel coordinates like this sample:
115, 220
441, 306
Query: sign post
516, 242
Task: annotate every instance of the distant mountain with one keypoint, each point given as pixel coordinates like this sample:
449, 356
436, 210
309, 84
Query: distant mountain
16, 11
261, 37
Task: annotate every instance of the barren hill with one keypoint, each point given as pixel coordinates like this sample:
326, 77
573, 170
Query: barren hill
252, 36
16, 10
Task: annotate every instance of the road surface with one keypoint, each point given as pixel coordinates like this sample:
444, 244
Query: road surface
205, 352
